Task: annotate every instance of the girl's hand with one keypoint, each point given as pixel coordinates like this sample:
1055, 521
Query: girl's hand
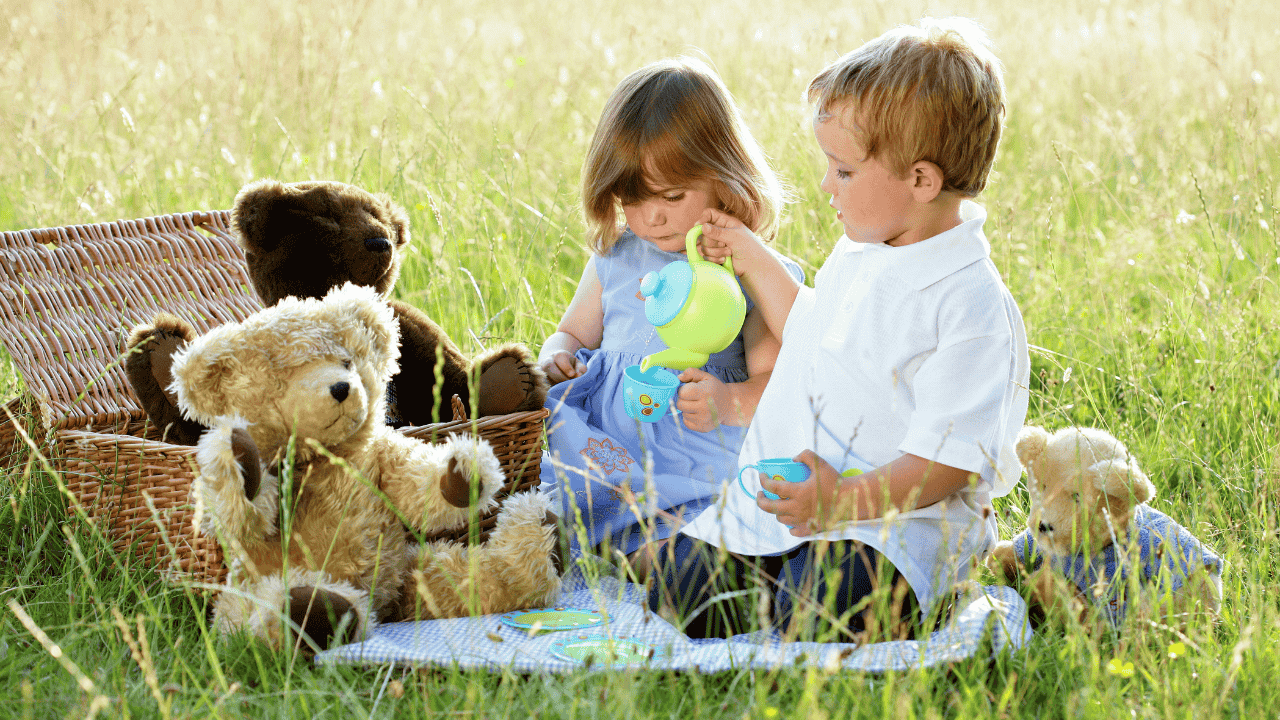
562, 365
703, 400
807, 507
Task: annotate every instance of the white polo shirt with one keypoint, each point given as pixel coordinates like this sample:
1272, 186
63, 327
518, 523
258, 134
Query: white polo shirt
917, 349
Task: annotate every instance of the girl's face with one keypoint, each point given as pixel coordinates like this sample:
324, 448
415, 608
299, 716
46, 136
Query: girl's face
667, 216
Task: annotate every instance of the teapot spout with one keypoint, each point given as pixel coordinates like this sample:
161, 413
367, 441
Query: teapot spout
675, 358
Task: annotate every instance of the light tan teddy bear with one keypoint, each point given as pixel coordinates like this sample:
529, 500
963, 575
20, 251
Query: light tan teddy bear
1092, 540
318, 543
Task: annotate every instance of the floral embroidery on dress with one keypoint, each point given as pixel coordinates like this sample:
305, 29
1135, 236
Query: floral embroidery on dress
607, 456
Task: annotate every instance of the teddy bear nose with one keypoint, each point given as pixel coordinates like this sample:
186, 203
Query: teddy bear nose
377, 245
340, 390
1046, 528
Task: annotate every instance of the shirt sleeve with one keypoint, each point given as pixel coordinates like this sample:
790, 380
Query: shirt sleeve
802, 306
969, 400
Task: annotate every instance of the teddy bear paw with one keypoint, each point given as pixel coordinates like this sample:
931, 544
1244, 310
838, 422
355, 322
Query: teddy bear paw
148, 363
511, 383
326, 618
471, 464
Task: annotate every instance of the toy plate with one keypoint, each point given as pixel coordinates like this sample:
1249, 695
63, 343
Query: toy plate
602, 650
558, 618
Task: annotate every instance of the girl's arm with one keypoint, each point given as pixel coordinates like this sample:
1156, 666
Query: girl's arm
581, 327
705, 402
825, 500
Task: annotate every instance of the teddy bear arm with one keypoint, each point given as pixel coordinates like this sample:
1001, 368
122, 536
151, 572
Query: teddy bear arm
149, 366
1003, 562
510, 381
240, 504
434, 485
1052, 596
423, 344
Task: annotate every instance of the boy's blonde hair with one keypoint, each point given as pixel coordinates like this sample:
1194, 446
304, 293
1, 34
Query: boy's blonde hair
674, 122
933, 92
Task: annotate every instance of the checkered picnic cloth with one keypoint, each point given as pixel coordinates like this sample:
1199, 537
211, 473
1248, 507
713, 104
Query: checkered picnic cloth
484, 642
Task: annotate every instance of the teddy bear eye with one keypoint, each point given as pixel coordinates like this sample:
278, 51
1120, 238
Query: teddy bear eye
346, 364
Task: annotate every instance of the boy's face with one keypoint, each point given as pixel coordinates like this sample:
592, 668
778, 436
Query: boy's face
667, 216
873, 203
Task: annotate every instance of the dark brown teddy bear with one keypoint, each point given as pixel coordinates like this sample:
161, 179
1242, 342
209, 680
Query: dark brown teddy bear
303, 239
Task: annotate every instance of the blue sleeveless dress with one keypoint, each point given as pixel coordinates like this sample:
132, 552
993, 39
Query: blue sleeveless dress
595, 450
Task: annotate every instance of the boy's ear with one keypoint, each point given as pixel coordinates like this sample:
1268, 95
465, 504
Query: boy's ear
926, 181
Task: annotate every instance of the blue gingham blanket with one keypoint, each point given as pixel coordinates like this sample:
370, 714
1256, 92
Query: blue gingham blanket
485, 643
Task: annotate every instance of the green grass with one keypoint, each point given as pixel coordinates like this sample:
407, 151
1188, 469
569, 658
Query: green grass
1133, 214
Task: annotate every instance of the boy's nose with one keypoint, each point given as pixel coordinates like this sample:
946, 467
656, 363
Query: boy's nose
657, 216
827, 186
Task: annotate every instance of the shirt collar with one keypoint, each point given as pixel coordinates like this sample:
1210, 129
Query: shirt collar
928, 261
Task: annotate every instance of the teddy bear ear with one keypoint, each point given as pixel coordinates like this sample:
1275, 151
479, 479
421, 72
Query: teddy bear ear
250, 211
200, 376
1032, 440
366, 325
268, 211
1121, 480
397, 218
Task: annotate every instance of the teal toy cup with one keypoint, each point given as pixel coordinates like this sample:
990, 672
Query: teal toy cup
779, 468
648, 393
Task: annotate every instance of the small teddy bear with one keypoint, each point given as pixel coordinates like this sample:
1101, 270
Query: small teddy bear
314, 537
304, 239
1093, 541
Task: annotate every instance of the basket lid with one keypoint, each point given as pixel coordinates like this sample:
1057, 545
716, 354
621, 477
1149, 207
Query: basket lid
69, 297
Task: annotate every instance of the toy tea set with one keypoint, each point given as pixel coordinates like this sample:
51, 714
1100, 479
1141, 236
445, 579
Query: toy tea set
589, 646
697, 308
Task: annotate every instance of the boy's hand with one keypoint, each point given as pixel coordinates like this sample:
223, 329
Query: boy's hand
806, 507
561, 366
725, 236
704, 400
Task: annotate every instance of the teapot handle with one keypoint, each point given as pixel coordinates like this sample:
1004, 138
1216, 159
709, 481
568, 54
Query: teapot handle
691, 248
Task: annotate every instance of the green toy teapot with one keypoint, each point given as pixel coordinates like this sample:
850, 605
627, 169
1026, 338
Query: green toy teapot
696, 307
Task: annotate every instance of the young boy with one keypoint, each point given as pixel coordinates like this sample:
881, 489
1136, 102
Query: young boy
906, 361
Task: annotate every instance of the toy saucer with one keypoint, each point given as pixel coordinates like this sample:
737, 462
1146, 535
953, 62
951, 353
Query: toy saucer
602, 650
556, 618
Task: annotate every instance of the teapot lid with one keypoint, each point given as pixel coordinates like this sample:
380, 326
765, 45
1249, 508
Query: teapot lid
665, 292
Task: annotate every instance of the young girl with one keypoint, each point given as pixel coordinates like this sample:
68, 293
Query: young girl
670, 145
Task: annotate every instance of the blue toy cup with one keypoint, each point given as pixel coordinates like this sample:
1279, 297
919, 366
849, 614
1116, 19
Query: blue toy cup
648, 393
779, 468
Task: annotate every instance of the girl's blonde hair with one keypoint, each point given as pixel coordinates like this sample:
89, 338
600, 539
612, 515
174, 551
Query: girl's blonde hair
674, 122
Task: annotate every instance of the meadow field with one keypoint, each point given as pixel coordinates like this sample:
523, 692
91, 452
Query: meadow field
1134, 214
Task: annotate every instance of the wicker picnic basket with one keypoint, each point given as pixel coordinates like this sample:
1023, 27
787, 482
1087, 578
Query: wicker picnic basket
68, 299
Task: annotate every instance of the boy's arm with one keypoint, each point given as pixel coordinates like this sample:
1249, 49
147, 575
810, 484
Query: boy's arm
766, 279
826, 500
582, 326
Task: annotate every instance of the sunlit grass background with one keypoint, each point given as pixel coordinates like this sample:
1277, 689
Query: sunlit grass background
1133, 213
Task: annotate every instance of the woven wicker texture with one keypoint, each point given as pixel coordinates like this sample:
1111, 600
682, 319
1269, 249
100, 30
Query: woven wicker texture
68, 299
69, 295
